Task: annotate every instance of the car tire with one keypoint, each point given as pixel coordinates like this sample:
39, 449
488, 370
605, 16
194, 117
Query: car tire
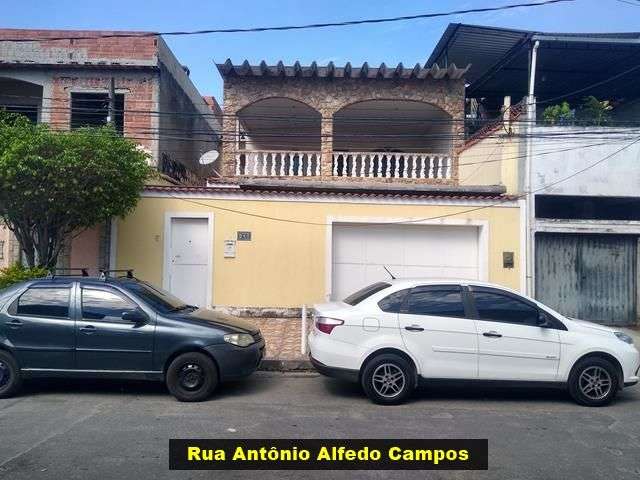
192, 377
593, 382
10, 379
381, 376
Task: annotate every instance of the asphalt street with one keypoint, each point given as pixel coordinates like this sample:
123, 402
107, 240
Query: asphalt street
88, 430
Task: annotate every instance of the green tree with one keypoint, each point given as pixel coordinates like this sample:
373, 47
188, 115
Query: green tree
594, 112
559, 114
54, 185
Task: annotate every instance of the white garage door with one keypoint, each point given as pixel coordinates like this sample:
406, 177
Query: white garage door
360, 251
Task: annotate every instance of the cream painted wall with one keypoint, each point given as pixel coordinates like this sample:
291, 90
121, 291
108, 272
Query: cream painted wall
494, 160
285, 263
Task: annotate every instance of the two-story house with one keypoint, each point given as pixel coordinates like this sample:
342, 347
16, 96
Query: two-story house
328, 174
557, 123
64, 78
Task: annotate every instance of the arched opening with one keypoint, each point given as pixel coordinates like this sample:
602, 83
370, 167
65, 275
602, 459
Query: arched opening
21, 97
392, 126
278, 137
392, 138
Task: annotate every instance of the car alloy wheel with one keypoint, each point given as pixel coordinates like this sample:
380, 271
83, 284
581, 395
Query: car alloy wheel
388, 380
191, 376
595, 383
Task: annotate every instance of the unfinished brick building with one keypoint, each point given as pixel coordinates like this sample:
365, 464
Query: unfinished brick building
63, 78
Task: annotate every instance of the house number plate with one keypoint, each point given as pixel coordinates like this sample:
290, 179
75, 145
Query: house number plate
244, 236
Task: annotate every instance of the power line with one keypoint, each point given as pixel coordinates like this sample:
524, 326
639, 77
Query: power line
292, 27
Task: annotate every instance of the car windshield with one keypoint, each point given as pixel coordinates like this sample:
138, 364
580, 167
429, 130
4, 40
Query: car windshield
157, 298
365, 293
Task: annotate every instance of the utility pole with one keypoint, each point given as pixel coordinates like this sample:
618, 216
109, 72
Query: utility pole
111, 112
528, 189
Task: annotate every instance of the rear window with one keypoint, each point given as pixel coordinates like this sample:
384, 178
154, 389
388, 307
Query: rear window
365, 293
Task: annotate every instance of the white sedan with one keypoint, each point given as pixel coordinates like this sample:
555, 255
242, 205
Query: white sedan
390, 336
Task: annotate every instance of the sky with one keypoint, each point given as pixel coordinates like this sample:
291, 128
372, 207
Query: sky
409, 42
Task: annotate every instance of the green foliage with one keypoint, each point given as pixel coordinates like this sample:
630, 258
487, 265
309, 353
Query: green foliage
17, 273
55, 184
593, 111
559, 114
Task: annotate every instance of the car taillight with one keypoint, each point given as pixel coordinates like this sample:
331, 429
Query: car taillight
326, 325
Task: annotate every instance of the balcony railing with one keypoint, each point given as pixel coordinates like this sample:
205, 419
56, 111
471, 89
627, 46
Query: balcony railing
392, 165
268, 163
278, 164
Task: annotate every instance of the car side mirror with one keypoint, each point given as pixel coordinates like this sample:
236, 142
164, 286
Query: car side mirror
135, 316
543, 320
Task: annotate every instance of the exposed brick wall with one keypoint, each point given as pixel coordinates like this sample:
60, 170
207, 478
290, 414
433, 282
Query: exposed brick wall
327, 96
138, 90
126, 51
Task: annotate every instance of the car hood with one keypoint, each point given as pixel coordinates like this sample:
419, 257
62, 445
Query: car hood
207, 317
590, 327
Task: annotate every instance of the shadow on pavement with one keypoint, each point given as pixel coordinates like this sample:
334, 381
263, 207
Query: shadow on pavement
151, 389
471, 392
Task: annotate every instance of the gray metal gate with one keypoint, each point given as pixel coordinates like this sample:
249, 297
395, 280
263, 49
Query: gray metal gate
591, 277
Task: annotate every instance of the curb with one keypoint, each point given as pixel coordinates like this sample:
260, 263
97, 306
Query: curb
271, 365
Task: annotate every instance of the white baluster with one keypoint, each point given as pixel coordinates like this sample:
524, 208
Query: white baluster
431, 167
447, 173
379, 169
405, 165
238, 157
335, 164
289, 160
396, 168
422, 171
345, 161
263, 164
353, 159
254, 164
317, 160
308, 156
272, 164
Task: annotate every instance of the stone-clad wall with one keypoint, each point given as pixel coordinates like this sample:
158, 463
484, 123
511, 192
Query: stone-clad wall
327, 96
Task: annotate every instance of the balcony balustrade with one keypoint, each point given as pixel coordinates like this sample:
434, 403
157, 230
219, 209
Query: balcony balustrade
271, 163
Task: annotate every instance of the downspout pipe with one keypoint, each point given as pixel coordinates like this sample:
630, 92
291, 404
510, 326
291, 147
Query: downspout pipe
530, 200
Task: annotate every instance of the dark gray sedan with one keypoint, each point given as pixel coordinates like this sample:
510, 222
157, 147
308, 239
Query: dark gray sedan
121, 328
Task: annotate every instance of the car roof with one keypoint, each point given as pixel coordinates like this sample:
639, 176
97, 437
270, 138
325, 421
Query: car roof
410, 282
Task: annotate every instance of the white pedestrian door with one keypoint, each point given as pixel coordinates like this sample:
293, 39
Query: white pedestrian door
189, 260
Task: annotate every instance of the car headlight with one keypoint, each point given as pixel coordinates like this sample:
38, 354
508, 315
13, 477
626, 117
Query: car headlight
239, 339
624, 337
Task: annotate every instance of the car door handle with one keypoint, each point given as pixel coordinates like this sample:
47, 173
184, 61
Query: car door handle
15, 323
414, 328
492, 334
88, 329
